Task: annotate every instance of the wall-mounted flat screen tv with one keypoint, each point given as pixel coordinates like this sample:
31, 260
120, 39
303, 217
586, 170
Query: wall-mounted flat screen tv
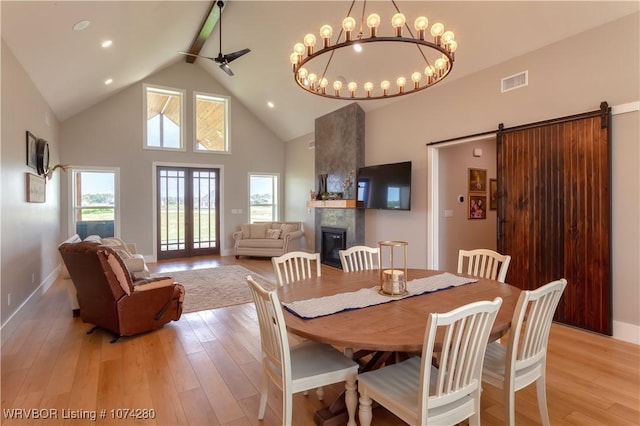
384, 187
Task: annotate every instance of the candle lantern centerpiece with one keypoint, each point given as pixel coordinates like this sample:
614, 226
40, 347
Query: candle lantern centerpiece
393, 268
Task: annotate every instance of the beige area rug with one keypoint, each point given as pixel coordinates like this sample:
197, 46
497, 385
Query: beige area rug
215, 287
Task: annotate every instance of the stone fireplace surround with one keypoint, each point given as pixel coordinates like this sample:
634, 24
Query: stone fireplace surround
339, 149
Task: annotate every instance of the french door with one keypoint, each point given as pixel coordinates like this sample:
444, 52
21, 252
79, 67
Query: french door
188, 201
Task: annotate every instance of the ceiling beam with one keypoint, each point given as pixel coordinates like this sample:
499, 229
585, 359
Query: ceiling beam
206, 28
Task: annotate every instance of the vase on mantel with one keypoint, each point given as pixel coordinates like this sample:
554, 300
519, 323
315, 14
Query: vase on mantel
322, 185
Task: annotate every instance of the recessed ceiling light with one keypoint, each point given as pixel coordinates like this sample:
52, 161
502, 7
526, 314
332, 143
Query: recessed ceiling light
270, 104
107, 43
81, 25
108, 81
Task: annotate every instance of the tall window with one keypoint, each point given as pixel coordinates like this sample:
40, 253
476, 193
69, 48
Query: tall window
164, 125
263, 197
211, 123
94, 202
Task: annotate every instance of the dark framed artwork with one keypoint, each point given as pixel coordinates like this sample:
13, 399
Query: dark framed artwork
477, 206
477, 180
493, 194
32, 147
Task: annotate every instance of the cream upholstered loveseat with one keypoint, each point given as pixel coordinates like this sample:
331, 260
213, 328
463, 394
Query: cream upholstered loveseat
267, 239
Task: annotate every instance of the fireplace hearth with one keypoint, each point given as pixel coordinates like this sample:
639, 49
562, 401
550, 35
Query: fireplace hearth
332, 241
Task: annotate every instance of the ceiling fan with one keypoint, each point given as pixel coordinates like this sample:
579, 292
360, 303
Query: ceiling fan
221, 59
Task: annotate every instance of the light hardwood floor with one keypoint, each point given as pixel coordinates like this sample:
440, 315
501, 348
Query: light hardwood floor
205, 370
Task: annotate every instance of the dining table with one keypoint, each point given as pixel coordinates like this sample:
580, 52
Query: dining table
394, 326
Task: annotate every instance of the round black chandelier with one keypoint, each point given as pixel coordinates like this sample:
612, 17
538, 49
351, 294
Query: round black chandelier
435, 58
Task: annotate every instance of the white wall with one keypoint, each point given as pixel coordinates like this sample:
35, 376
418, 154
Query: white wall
29, 232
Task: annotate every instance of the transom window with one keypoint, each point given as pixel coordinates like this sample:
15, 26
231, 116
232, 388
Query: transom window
211, 123
164, 125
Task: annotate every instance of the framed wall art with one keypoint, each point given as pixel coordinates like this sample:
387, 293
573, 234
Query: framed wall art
493, 194
477, 180
32, 147
477, 206
36, 189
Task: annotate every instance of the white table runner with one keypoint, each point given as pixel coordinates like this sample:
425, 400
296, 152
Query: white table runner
327, 305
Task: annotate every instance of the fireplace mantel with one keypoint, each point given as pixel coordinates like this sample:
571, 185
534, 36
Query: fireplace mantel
332, 204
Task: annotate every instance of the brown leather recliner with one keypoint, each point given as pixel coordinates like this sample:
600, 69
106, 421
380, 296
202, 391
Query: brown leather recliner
108, 296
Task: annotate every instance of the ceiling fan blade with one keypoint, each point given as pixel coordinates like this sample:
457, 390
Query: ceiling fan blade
235, 55
225, 67
198, 56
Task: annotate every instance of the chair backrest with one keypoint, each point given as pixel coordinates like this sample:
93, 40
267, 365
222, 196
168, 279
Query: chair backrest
295, 266
273, 334
359, 258
466, 332
100, 279
530, 326
484, 263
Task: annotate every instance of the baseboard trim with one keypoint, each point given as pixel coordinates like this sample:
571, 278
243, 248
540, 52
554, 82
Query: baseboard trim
12, 323
626, 332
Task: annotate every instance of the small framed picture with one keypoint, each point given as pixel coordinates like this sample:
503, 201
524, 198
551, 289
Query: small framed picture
32, 148
477, 206
36, 189
493, 194
477, 180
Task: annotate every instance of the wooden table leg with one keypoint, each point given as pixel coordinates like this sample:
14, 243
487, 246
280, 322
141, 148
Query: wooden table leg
336, 413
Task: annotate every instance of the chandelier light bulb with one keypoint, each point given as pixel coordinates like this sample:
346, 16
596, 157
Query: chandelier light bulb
337, 85
348, 25
421, 24
452, 46
312, 80
397, 21
373, 22
299, 48
368, 87
323, 85
326, 32
352, 86
429, 71
302, 73
294, 57
309, 40
401, 81
385, 87
436, 31
416, 77
357, 47
448, 37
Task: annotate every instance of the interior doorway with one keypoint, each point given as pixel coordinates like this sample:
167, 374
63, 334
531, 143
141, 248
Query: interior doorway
188, 206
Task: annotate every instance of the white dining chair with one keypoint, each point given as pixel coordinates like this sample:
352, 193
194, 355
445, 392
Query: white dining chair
484, 263
420, 393
298, 368
295, 266
523, 361
359, 258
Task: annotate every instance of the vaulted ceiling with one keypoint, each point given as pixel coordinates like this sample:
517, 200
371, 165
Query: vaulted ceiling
69, 67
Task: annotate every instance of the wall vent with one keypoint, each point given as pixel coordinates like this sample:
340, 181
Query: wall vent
515, 81
311, 144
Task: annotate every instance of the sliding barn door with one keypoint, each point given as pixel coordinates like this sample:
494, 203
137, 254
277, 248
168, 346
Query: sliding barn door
554, 212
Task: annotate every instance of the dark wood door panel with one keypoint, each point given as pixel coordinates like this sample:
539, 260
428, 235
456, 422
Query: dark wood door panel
554, 213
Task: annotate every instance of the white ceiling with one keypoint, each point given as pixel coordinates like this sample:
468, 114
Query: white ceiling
69, 67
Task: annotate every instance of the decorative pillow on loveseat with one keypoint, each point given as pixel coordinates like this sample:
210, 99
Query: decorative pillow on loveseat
273, 234
288, 227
